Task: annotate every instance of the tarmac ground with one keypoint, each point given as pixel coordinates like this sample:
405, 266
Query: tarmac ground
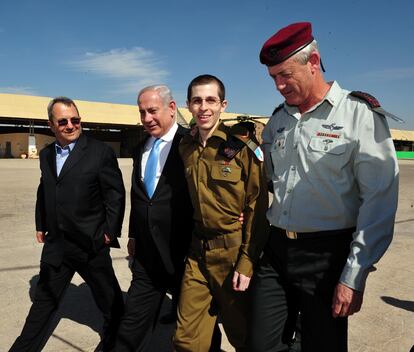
385, 323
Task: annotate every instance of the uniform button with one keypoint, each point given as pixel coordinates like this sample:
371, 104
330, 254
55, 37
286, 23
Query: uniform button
284, 212
293, 168
150, 203
295, 146
289, 191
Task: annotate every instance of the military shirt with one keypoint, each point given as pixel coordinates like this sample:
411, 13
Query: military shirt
334, 167
221, 189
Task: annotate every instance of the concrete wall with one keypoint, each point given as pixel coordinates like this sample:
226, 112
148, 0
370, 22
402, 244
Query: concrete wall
20, 142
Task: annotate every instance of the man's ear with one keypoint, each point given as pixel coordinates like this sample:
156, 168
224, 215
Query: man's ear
51, 125
173, 107
223, 105
314, 60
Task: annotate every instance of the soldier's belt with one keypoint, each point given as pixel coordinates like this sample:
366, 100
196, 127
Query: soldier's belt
293, 235
221, 241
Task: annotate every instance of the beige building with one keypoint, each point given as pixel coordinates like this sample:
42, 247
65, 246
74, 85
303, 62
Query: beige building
24, 130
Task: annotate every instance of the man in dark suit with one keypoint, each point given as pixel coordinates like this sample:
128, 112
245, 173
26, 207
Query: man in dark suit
79, 212
160, 222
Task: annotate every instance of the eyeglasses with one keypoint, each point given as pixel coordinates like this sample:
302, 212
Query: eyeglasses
210, 101
73, 120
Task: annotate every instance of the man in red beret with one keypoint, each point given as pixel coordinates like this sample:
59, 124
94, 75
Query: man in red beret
333, 171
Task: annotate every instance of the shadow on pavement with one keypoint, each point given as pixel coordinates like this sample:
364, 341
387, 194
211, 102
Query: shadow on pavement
407, 305
78, 305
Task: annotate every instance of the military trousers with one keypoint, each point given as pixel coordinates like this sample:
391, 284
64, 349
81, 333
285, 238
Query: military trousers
298, 275
206, 291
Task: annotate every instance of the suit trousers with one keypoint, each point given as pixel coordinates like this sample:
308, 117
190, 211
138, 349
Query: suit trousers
206, 291
143, 304
298, 275
97, 271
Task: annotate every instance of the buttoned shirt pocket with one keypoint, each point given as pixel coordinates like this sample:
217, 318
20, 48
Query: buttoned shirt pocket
327, 145
278, 149
326, 157
226, 188
227, 173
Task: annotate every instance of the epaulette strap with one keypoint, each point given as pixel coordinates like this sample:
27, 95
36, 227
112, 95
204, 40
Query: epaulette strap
230, 148
252, 144
255, 148
279, 107
374, 104
372, 101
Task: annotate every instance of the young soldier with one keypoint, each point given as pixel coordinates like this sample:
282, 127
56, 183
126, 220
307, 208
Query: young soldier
225, 178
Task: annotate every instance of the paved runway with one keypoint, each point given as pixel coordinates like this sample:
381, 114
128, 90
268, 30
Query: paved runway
386, 322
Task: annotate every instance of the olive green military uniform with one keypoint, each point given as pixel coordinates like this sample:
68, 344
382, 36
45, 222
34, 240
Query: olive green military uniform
225, 178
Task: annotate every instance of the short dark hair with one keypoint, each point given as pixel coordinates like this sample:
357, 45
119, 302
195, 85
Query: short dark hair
206, 79
63, 100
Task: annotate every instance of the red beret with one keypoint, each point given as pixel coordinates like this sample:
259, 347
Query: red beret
285, 43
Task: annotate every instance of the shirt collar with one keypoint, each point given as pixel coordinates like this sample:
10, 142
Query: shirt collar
333, 96
168, 137
59, 149
219, 132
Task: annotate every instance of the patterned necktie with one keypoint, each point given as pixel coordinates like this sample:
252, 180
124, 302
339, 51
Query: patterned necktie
151, 167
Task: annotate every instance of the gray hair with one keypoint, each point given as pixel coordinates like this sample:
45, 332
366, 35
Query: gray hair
62, 100
163, 91
302, 57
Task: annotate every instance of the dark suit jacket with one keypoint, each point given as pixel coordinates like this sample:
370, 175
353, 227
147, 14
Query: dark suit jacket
162, 225
86, 200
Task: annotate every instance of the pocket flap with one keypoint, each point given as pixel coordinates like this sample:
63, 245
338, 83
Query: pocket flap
327, 145
229, 173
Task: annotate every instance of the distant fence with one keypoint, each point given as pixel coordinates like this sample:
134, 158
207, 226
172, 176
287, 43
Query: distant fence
405, 155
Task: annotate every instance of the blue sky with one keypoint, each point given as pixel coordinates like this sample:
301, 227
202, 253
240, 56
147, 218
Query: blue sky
107, 50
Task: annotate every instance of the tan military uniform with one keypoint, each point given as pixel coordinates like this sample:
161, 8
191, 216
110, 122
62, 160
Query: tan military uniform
222, 185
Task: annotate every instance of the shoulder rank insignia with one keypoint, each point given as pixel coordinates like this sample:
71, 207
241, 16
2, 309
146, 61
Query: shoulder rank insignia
230, 148
279, 107
245, 132
375, 105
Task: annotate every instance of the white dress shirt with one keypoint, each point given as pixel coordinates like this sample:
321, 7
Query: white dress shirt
165, 148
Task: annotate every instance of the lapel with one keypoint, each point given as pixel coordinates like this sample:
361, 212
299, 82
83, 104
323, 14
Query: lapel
75, 155
137, 168
51, 158
170, 162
